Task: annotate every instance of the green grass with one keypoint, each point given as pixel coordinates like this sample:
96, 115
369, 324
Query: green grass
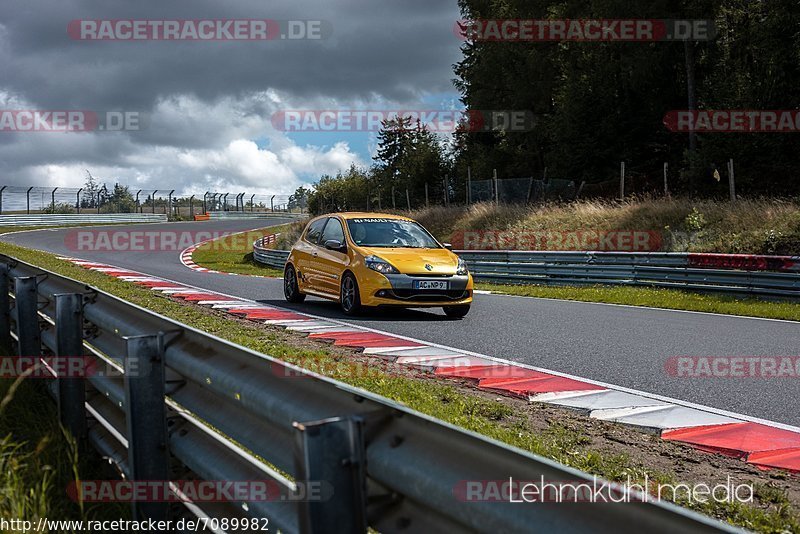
234, 253
38, 460
654, 297
438, 399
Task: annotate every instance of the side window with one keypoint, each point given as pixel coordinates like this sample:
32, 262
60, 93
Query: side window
333, 230
315, 230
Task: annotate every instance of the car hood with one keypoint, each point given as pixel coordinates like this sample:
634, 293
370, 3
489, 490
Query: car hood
413, 260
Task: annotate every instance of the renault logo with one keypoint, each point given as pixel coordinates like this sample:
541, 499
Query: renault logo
428, 267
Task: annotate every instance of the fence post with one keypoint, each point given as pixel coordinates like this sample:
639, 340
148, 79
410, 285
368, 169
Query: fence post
5, 310
496, 189
580, 188
332, 450
154, 200
148, 453
426, 194
191, 207
225, 202
28, 200
168, 209
530, 189
408, 201
1, 198
69, 344
731, 181
271, 205
666, 172
622, 180
394, 206
252, 202
78, 201
469, 185
29, 341
53, 199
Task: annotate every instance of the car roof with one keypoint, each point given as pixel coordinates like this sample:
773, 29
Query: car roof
369, 215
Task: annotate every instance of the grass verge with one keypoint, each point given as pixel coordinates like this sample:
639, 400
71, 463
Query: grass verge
670, 299
234, 253
542, 430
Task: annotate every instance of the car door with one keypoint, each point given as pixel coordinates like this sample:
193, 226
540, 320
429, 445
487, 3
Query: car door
306, 251
332, 262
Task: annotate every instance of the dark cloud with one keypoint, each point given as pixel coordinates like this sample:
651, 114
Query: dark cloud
202, 96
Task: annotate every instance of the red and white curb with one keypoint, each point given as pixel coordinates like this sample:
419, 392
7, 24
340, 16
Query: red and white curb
188, 262
762, 443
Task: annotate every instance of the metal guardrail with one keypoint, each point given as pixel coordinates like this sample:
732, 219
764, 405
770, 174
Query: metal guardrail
207, 408
268, 256
653, 269
673, 270
253, 214
83, 218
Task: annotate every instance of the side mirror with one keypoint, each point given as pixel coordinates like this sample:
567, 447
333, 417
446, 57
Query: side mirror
448, 246
333, 244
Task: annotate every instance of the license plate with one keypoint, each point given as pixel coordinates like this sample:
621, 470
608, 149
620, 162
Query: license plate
430, 284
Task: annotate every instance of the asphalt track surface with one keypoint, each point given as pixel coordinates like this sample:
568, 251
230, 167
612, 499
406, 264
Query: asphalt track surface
621, 345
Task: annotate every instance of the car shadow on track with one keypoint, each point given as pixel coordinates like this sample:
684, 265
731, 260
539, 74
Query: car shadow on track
331, 310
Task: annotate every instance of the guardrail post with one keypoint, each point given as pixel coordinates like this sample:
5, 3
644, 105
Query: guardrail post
26, 304
148, 455
5, 307
69, 344
331, 451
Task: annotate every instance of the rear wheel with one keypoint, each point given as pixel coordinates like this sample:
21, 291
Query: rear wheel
349, 296
456, 311
291, 289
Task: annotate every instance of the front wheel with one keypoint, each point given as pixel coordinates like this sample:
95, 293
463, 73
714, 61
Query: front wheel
456, 311
291, 289
349, 296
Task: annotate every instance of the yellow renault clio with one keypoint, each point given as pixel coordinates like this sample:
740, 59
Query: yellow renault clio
369, 259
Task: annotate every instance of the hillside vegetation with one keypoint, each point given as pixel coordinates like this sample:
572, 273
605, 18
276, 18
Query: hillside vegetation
757, 226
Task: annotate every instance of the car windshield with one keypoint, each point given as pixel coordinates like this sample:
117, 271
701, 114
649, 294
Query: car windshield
394, 233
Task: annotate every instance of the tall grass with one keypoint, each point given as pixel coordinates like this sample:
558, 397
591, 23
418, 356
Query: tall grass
38, 459
754, 226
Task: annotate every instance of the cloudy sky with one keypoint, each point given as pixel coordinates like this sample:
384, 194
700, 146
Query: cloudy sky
206, 105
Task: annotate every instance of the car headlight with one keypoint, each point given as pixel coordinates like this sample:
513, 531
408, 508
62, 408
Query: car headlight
380, 265
462, 268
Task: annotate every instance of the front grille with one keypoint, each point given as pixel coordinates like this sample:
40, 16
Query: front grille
426, 296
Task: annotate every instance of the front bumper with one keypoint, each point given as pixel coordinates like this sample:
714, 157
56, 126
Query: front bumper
398, 290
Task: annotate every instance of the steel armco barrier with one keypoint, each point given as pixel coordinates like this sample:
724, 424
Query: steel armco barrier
268, 256
83, 218
199, 406
653, 269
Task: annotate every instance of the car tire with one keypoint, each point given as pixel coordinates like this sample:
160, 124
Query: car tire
456, 312
349, 296
291, 289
